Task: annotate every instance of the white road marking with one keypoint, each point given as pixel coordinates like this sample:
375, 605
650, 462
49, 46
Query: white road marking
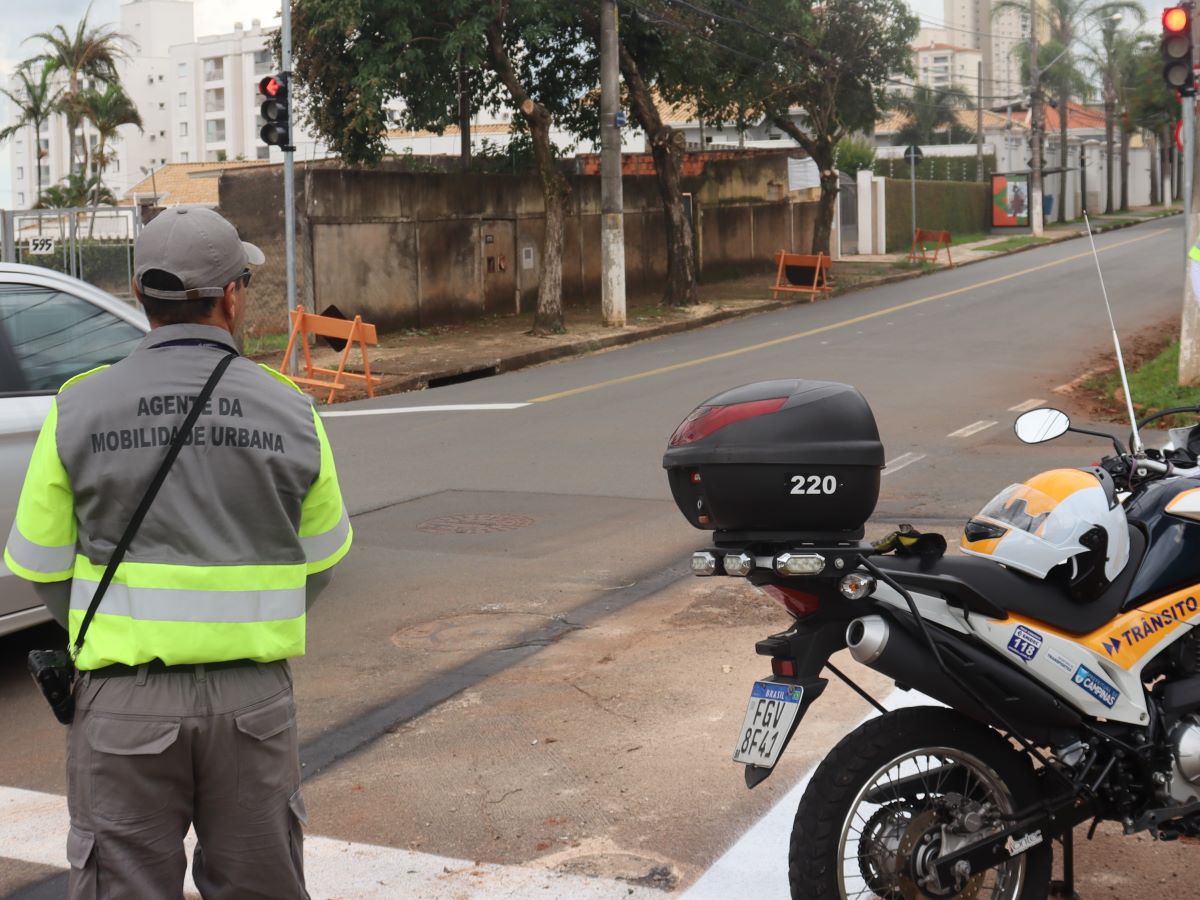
396, 410
973, 428
33, 828
900, 462
757, 865
1026, 406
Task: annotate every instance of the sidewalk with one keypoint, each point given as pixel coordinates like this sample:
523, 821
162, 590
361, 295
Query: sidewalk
416, 359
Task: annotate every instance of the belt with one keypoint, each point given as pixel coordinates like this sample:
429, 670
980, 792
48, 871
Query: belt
117, 670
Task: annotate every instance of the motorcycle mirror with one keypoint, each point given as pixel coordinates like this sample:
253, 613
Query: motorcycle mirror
1040, 425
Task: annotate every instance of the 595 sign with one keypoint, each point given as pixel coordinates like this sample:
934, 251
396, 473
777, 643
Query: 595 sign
40, 246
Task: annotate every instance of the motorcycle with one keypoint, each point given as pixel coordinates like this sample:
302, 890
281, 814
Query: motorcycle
1062, 645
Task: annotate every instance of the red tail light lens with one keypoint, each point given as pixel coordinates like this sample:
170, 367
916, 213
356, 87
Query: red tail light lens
704, 420
798, 603
783, 667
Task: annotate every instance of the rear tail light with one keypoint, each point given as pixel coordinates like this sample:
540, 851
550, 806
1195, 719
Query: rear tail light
798, 603
783, 667
704, 420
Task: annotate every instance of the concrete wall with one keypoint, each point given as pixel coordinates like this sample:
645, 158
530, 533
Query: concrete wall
406, 249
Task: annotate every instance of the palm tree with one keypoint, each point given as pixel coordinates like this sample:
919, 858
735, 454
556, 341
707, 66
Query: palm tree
929, 110
1104, 59
35, 102
1065, 20
74, 191
91, 52
107, 112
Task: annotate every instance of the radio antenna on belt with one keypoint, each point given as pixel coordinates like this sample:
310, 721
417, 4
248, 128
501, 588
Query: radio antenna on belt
1135, 440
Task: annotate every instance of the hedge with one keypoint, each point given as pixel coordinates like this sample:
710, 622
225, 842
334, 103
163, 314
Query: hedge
107, 264
937, 168
954, 206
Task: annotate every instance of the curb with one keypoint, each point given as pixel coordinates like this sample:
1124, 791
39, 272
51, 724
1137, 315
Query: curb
500, 365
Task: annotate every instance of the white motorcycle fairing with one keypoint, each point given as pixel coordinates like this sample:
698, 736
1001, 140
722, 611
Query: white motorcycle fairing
1099, 674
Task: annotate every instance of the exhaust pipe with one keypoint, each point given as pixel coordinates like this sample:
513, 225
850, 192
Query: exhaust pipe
867, 638
894, 651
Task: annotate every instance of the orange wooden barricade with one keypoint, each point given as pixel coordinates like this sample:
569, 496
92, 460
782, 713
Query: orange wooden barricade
940, 239
802, 273
352, 332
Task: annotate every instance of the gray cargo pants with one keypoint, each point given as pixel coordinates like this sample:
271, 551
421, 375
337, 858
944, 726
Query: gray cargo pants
149, 755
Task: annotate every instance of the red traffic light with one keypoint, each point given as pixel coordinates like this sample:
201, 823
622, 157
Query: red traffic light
271, 86
1175, 20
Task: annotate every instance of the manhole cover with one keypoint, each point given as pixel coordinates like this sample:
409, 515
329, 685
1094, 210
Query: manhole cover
474, 523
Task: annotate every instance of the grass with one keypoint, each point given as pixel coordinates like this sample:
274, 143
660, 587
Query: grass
969, 238
910, 264
265, 343
1154, 385
1014, 243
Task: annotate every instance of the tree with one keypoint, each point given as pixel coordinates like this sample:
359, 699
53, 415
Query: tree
854, 154
815, 69
1151, 104
91, 52
352, 58
928, 110
73, 192
107, 111
1065, 20
35, 102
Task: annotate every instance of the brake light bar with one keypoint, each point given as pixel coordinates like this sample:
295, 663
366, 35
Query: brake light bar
704, 420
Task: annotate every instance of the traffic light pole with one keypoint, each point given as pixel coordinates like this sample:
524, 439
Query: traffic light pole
1189, 325
289, 170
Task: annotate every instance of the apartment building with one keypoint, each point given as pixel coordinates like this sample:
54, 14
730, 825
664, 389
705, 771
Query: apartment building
198, 99
976, 24
943, 65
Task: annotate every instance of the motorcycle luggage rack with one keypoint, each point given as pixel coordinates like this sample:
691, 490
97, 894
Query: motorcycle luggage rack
839, 539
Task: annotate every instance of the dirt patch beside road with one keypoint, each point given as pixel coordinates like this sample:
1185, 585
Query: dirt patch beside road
606, 754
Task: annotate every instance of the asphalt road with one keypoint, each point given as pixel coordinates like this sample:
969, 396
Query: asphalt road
513, 618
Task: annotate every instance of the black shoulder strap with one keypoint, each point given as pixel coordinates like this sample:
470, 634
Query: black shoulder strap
140, 513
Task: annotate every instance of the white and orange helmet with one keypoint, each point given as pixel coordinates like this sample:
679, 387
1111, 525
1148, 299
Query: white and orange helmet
1053, 518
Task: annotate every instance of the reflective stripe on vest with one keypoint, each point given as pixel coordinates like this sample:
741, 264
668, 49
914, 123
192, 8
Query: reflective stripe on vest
189, 614
1194, 253
320, 549
36, 562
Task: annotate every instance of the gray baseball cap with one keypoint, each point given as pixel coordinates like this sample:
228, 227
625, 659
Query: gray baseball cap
198, 247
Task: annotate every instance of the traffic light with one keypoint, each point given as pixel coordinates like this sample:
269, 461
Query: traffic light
278, 128
1177, 49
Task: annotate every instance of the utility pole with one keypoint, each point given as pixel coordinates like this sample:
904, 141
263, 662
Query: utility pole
979, 121
612, 203
1035, 128
289, 170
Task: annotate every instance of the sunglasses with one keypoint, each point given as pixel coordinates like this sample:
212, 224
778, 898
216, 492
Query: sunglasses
244, 278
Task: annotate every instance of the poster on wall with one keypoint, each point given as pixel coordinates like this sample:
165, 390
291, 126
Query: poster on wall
1010, 201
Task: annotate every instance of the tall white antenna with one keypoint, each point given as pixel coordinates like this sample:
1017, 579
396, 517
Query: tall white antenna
1136, 440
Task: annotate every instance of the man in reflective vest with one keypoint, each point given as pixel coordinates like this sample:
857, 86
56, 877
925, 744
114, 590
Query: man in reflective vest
184, 711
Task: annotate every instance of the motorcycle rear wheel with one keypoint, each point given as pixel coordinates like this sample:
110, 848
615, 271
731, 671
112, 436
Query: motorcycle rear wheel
844, 846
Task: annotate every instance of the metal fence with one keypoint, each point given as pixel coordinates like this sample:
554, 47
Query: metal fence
92, 244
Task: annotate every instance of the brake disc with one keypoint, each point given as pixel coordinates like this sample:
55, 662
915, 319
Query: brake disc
920, 842
878, 864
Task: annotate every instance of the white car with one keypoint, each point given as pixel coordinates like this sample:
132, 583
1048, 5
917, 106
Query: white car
52, 327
